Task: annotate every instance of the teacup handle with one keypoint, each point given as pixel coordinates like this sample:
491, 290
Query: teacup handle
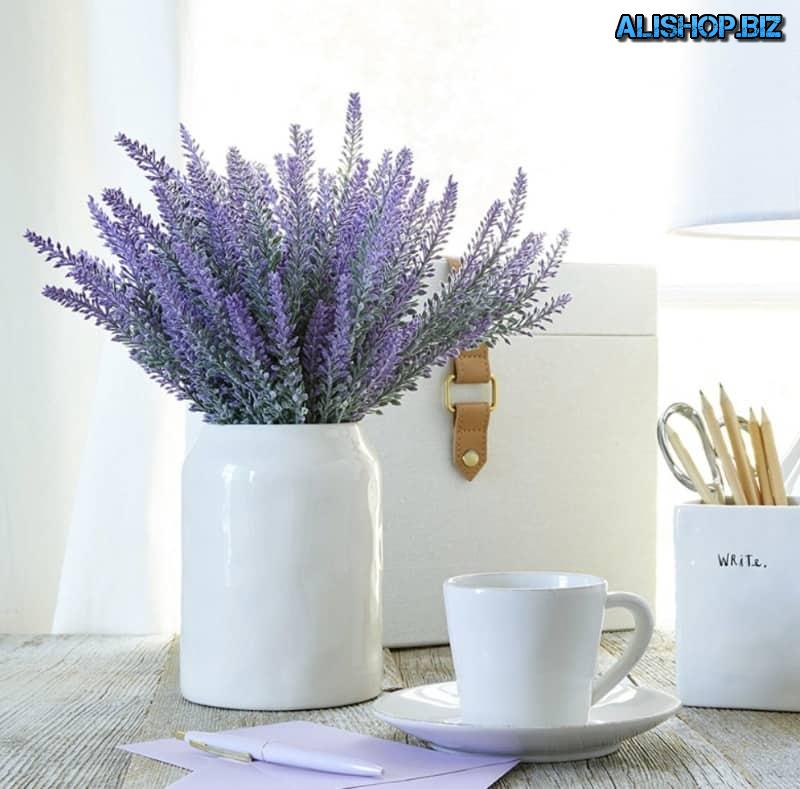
643, 632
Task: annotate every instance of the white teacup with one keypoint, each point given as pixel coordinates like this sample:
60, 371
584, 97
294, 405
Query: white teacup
525, 645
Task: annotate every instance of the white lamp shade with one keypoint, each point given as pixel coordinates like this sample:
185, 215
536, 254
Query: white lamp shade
739, 161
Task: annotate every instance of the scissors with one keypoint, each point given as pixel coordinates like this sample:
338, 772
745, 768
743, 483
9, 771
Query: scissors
687, 412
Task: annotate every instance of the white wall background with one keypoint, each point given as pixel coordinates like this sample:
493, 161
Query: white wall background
90, 452
476, 88
47, 357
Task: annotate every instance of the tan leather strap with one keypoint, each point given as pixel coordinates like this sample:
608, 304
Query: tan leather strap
472, 367
470, 428
471, 422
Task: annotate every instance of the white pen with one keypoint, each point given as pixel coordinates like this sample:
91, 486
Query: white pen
247, 749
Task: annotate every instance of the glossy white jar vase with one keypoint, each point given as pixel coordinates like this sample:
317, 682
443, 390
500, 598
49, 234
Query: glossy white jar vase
282, 564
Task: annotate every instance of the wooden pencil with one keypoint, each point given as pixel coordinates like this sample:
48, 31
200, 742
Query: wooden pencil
728, 469
761, 460
740, 458
773, 463
691, 469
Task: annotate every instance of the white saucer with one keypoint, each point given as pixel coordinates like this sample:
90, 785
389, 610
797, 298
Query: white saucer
432, 713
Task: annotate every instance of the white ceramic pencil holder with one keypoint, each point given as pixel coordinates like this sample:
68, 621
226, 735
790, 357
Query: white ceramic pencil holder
738, 605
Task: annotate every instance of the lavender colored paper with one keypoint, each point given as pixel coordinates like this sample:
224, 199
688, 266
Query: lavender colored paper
400, 762
221, 775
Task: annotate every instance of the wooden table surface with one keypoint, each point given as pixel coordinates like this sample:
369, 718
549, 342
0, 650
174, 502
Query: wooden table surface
66, 702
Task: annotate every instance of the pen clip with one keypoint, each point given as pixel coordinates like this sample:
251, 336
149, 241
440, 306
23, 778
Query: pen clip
239, 756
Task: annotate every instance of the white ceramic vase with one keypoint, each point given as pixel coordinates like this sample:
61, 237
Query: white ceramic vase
282, 564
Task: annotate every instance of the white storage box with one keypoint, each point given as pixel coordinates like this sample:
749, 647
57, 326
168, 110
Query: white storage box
738, 606
570, 478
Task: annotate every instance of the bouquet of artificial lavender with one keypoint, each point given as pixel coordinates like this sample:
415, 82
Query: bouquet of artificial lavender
307, 297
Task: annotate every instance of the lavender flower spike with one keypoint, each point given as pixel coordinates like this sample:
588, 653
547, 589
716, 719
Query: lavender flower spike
305, 296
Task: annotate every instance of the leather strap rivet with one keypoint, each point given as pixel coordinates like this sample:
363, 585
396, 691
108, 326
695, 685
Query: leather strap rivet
470, 458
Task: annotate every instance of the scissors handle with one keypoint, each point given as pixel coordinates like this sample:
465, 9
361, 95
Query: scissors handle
689, 413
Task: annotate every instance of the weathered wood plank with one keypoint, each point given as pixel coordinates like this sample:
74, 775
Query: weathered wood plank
657, 667
671, 756
67, 701
668, 757
765, 746
78, 697
170, 712
423, 666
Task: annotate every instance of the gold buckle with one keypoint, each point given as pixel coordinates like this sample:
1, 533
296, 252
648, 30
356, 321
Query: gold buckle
448, 396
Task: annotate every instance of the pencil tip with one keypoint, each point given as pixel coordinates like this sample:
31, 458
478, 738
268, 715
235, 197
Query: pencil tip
752, 415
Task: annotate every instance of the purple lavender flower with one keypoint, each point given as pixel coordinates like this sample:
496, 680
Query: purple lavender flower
306, 298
